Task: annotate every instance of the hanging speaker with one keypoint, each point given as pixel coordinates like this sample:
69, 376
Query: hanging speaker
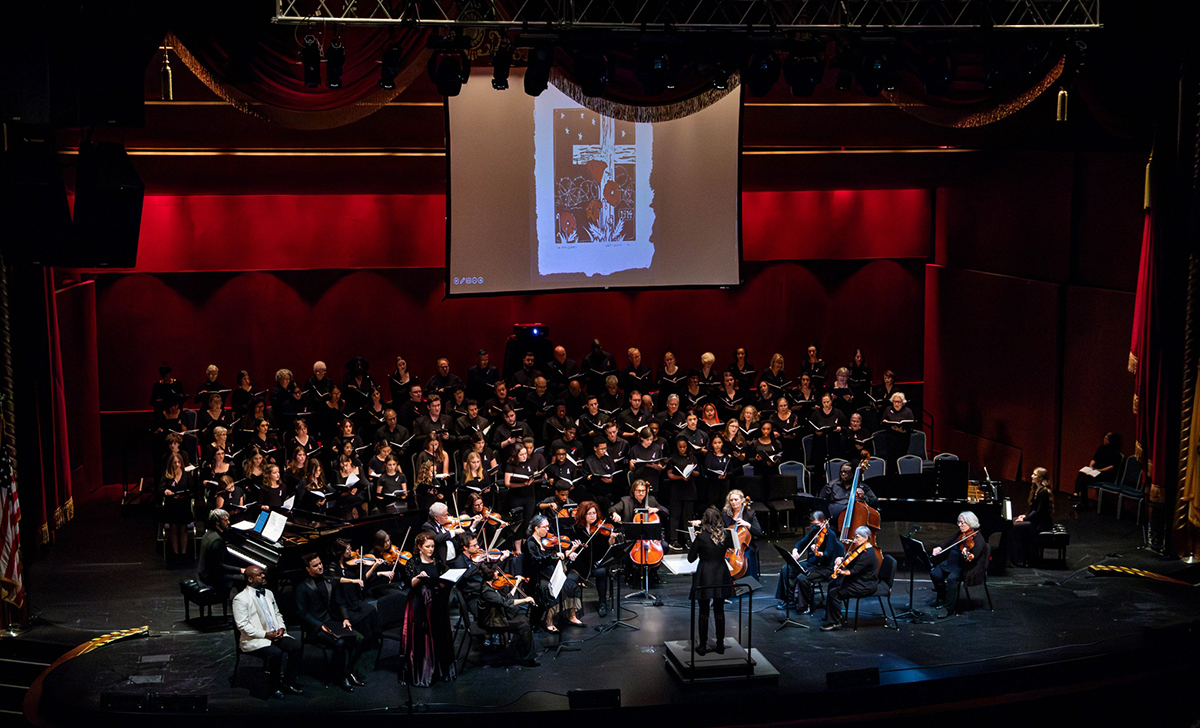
108, 209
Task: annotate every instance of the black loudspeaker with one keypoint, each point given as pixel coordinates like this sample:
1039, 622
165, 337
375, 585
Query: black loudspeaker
35, 220
178, 703
108, 209
852, 678
951, 477
594, 699
124, 702
74, 64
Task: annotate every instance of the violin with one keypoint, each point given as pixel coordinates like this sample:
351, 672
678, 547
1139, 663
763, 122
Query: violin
565, 512
354, 558
841, 570
967, 542
553, 541
604, 528
502, 580
492, 519
479, 555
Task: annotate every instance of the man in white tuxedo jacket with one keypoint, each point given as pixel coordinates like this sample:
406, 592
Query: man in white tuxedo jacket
262, 633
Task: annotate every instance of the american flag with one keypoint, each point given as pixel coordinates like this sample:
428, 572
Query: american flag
12, 587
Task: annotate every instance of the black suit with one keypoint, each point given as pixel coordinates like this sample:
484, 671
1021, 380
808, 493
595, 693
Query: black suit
318, 605
212, 568
441, 537
957, 569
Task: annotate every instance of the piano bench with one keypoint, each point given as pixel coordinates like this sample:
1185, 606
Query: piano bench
1057, 539
204, 597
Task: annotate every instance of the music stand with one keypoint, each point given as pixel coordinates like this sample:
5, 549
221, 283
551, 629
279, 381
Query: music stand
787, 609
636, 532
914, 555
616, 555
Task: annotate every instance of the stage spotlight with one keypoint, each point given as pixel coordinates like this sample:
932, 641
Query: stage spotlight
335, 64
537, 75
593, 72
501, 65
390, 67
656, 71
762, 73
876, 74
310, 58
803, 73
720, 69
449, 71
936, 74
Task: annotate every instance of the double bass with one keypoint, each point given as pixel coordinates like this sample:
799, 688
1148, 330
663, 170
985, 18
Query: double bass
858, 513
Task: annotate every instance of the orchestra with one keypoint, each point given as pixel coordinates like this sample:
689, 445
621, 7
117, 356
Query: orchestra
527, 494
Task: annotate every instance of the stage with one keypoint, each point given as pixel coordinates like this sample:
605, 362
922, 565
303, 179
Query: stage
1058, 637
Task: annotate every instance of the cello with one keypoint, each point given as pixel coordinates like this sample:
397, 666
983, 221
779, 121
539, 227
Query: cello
646, 552
857, 512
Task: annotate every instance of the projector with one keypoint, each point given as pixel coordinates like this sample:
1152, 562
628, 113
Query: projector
533, 330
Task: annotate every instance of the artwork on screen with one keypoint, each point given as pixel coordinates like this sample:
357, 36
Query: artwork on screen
545, 194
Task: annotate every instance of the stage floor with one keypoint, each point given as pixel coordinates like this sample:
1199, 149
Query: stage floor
1056, 629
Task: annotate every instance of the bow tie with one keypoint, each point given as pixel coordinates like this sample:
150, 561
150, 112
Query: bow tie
261, 592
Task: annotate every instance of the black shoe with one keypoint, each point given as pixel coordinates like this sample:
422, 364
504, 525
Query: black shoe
291, 689
720, 647
346, 685
702, 649
945, 614
603, 610
832, 627
355, 679
530, 663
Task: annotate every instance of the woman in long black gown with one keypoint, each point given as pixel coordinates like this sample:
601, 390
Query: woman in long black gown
711, 582
427, 641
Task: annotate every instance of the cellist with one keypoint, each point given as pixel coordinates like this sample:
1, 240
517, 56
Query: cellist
964, 559
624, 510
838, 494
738, 514
854, 575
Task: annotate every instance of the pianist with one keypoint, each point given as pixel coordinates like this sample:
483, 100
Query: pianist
214, 569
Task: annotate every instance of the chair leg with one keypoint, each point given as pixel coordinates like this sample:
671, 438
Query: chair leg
856, 603
989, 595
892, 609
958, 602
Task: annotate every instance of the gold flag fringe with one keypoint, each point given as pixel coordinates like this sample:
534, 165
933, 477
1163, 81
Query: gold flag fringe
963, 119
641, 114
307, 120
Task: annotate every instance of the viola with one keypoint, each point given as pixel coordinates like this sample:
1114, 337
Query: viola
646, 552
604, 528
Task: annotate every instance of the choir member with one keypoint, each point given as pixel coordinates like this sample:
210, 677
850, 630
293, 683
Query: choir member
239, 400
413, 407
897, 424
560, 372
647, 459
399, 382
318, 387
493, 409
696, 436
611, 399
1105, 461
672, 419
166, 391
742, 369
285, 399
709, 418
633, 418
815, 366
637, 375
600, 469
556, 424
508, 433
575, 448
827, 424
682, 471
391, 485
729, 397
764, 452
518, 482
708, 377
693, 396
481, 377
175, 492
521, 380
618, 448
597, 365
775, 376
392, 432
788, 427
434, 424
804, 397
671, 378
210, 386
858, 437
881, 394
843, 395
297, 467
357, 384
860, 373
538, 405
443, 379
229, 495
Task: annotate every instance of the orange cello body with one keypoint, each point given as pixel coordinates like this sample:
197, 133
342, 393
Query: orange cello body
858, 513
646, 552
735, 558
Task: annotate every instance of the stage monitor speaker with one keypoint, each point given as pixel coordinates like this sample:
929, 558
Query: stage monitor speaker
750, 582
35, 219
866, 677
124, 702
178, 703
594, 699
108, 209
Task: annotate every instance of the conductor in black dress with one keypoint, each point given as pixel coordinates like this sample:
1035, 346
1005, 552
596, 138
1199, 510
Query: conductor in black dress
711, 582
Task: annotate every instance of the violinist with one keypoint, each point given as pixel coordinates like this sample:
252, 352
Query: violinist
558, 505
389, 560
711, 582
854, 575
682, 473
443, 528
738, 514
350, 573
597, 535
838, 494
499, 611
542, 560
823, 547
964, 562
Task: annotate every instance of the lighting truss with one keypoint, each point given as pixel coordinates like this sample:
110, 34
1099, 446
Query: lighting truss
701, 15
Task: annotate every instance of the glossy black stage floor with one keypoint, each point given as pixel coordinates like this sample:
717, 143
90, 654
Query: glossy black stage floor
1104, 648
